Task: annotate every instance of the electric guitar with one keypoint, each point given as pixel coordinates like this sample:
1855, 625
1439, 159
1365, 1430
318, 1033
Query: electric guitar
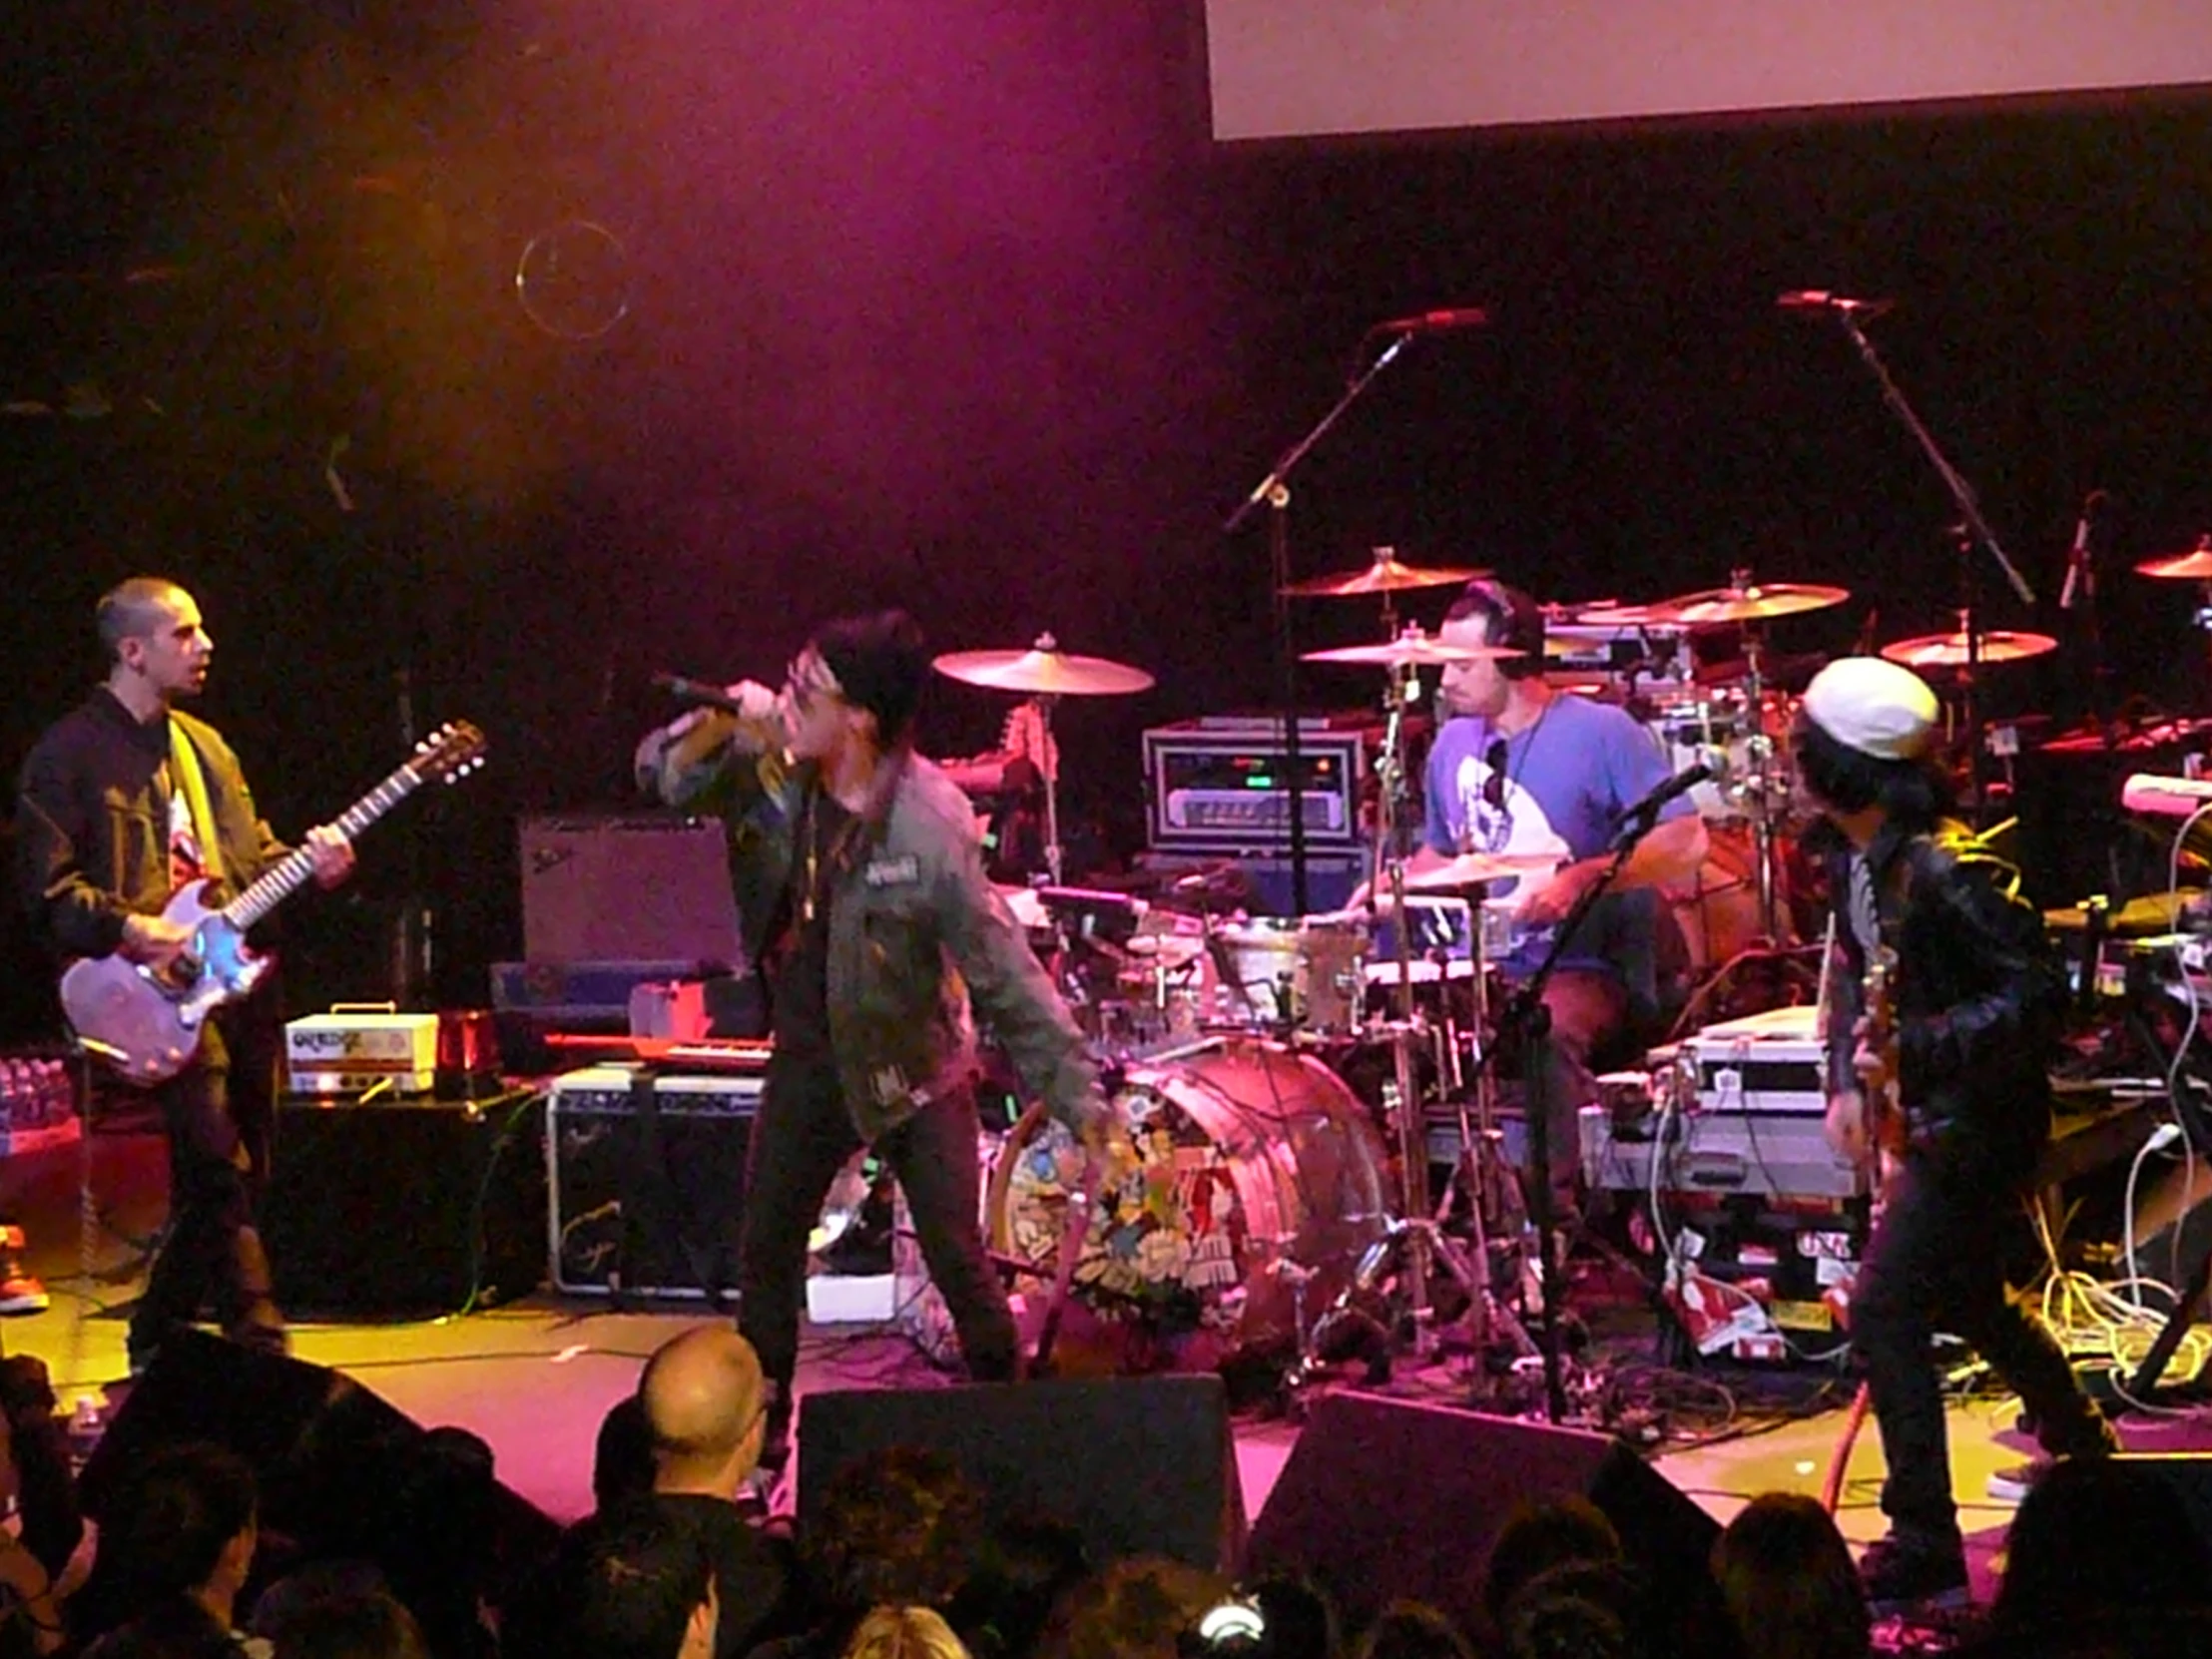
143, 1019
1879, 1131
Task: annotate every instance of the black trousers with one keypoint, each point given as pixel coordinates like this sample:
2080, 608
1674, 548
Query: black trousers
1936, 1262
803, 1138
220, 1116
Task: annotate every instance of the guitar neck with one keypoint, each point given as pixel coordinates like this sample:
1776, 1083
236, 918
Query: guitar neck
284, 877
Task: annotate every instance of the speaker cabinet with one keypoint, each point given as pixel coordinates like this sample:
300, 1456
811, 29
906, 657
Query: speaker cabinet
1139, 1466
406, 1206
1383, 1499
646, 1180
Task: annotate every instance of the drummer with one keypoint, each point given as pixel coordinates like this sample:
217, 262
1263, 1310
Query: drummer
1520, 769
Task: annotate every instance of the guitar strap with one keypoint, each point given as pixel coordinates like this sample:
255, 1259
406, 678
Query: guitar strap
185, 772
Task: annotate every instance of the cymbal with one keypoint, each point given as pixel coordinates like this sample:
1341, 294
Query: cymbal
1624, 616
1411, 649
2192, 566
1475, 870
2153, 913
1998, 644
1043, 671
2091, 739
1386, 575
1758, 602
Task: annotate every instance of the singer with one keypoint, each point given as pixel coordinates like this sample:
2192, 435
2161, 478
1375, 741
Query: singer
1520, 769
1976, 999
884, 941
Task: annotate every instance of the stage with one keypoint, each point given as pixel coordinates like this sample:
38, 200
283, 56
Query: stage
535, 1378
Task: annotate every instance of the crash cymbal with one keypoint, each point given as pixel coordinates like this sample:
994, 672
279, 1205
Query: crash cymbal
1998, 644
1625, 616
1386, 575
1754, 602
1411, 649
2192, 566
1476, 869
1043, 671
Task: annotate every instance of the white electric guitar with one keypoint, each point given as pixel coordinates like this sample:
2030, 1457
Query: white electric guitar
144, 1020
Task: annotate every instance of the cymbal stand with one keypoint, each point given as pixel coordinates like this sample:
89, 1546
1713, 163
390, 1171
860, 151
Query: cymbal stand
1765, 851
1051, 767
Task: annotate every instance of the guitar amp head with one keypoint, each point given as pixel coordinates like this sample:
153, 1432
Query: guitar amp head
356, 1046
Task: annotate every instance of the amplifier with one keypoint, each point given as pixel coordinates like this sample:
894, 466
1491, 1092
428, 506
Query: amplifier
645, 1180
352, 1047
1221, 784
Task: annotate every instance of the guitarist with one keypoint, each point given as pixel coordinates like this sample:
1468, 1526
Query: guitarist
123, 801
1975, 1000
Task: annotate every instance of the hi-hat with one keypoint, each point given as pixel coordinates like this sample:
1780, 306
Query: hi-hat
1411, 649
1998, 645
2192, 566
1386, 575
1754, 602
1043, 671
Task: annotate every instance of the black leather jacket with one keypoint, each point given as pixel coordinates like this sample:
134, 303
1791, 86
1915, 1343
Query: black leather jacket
1979, 994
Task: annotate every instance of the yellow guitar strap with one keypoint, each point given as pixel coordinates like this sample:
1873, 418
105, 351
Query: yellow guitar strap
184, 770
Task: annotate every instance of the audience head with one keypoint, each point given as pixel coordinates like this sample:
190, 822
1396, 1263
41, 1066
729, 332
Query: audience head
622, 1461
705, 1401
1579, 1611
1789, 1583
1540, 1536
366, 1624
639, 1584
187, 1524
1025, 1565
2096, 1534
904, 1633
1141, 1608
902, 1527
1412, 1630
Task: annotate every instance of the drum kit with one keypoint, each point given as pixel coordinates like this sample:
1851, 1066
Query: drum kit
1279, 1076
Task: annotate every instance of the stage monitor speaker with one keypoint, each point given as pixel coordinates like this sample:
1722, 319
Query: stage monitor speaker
406, 1207
320, 1445
1138, 1465
1387, 1499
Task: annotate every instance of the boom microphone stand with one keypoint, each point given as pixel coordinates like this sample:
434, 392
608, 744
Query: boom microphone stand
1972, 526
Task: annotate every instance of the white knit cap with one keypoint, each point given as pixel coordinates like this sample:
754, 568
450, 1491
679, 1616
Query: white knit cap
1875, 706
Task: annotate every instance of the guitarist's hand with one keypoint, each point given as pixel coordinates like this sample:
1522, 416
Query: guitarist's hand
1871, 1061
332, 853
155, 941
1845, 1125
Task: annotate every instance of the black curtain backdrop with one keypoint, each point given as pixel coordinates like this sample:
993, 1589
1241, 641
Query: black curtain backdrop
968, 313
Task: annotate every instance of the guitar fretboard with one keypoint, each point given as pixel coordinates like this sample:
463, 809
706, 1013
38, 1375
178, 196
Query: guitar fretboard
284, 877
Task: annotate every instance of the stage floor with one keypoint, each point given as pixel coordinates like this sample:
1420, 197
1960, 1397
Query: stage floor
535, 1378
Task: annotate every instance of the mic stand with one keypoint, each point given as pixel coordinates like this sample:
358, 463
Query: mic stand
1273, 492
1972, 527
1524, 1027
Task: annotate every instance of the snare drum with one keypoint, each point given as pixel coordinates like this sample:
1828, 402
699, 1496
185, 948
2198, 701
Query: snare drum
1250, 1158
1292, 971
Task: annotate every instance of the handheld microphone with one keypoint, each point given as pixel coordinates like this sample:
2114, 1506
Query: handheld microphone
2147, 791
698, 691
1640, 818
1833, 304
1435, 323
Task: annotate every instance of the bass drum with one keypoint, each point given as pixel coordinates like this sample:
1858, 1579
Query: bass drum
1250, 1159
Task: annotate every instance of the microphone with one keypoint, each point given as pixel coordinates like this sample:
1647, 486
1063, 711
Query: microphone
2147, 791
2081, 575
698, 691
1435, 323
1833, 304
1640, 818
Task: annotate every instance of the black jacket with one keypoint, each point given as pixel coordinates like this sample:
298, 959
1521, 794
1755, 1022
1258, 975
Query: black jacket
1978, 992
92, 824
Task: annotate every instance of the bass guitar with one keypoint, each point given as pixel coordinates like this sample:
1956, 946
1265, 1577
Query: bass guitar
144, 1020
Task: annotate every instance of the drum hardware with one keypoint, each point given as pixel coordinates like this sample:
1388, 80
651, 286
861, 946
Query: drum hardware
1046, 673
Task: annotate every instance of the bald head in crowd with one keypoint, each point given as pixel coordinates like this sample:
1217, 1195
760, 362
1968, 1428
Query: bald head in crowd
705, 1405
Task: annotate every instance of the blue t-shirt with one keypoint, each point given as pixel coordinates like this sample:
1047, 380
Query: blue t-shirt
1560, 787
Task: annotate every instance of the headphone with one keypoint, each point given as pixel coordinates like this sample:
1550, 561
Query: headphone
1515, 621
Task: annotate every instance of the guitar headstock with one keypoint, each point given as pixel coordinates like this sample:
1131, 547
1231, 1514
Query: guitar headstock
449, 754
